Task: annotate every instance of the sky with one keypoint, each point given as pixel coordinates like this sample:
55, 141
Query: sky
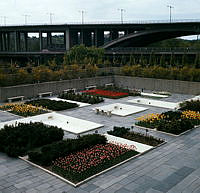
13, 12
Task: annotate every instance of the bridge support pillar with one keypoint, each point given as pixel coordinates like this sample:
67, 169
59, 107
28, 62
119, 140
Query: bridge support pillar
130, 31
73, 38
67, 40
5, 41
114, 34
18, 42
1, 42
41, 40
49, 39
8, 41
99, 37
86, 37
26, 41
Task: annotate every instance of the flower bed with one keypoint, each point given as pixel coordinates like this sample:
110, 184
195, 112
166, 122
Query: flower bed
81, 165
24, 110
52, 104
82, 98
174, 122
107, 93
131, 92
79, 159
133, 136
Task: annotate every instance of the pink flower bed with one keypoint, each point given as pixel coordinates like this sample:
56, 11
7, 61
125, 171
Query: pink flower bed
84, 160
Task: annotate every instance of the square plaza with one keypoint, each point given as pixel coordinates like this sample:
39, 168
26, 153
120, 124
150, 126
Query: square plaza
175, 164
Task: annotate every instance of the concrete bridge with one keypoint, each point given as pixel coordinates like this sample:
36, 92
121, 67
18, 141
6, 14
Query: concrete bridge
105, 35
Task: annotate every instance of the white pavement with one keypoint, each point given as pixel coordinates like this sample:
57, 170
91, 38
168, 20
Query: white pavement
155, 103
121, 109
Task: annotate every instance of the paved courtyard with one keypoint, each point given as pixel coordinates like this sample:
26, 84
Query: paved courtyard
171, 168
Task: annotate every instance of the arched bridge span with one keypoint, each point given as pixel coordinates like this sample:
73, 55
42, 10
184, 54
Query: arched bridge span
145, 37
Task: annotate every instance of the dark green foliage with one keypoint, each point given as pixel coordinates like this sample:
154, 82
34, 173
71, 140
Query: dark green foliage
52, 105
176, 126
46, 154
193, 105
82, 98
138, 137
172, 115
119, 131
80, 54
17, 140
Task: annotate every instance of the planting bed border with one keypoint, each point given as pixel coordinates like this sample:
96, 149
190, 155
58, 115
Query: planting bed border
171, 134
25, 158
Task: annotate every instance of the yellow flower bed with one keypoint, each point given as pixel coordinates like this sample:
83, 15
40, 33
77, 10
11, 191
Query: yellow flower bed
156, 116
23, 109
190, 115
151, 117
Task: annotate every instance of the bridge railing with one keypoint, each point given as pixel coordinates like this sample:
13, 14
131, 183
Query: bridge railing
153, 49
111, 22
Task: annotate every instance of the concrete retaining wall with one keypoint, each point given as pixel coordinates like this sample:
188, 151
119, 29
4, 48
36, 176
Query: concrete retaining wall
32, 90
173, 86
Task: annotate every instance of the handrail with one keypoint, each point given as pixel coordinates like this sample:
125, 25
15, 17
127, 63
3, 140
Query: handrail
111, 22
154, 49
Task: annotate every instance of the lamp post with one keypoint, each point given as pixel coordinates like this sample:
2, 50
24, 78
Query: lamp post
170, 12
121, 14
26, 18
50, 17
82, 16
4, 19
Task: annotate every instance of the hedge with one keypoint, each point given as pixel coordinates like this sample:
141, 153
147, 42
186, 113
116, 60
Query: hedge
82, 98
52, 104
17, 140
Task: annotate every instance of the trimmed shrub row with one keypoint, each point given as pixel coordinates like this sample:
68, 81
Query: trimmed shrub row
52, 104
193, 105
46, 154
17, 140
138, 137
82, 98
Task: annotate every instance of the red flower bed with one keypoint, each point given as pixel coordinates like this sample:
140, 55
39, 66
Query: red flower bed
84, 160
106, 93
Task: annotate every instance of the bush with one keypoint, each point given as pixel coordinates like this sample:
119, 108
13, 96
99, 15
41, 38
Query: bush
52, 104
119, 131
82, 98
46, 154
193, 105
17, 140
176, 126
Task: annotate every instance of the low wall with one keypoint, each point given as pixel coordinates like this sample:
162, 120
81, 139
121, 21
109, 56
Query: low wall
32, 90
173, 86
